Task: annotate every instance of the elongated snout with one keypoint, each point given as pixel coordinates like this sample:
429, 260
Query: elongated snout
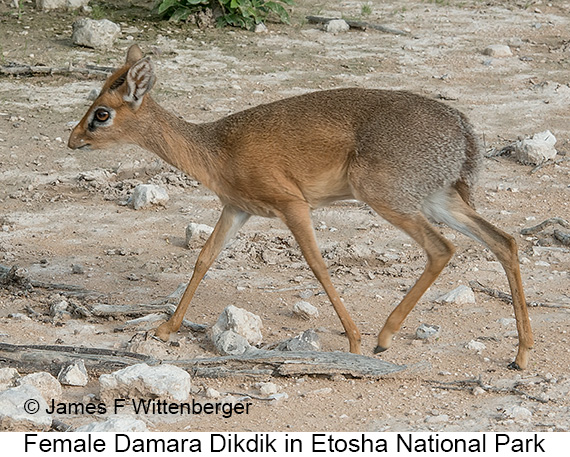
75, 139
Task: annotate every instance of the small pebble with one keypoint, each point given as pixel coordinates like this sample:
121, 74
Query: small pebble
268, 388
212, 393
498, 50
478, 391
305, 310
475, 346
77, 269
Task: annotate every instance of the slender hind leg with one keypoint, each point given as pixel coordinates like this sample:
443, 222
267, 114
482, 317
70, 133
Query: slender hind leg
231, 220
438, 251
452, 210
297, 217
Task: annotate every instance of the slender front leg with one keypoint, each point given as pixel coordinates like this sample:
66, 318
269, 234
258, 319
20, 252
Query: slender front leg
298, 218
231, 220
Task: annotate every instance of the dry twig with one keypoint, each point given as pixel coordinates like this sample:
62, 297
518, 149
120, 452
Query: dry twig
469, 384
476, 285
16, 276
546, 223
562, 237
254, 363
507, 150
548, 162
35, 357
283, 363
15, 69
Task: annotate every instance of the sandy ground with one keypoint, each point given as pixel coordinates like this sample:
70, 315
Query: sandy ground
60, 208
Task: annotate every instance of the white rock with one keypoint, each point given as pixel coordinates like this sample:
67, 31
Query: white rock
13, 405
268, 388
337, 26
461, 295
307, 293
518, 413
74, 4
99, 34
477, 390
537, 149
279, 396
148, 194
212, 393
142, 381
197, 231
230, 343
498, 50
93, 95
58, 310
437, 419
241, 322
74, 374
505, 383
8, 378
19, 317
115, 424
426, 331
306, 341
261, 28
47, 5
475, 346
506, 321
49, 387
98, 175
305, 310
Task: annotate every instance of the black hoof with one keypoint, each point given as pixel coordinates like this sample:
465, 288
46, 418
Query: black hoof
514, 366
379, 349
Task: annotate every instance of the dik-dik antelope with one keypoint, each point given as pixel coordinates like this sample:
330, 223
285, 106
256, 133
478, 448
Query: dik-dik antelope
409, 157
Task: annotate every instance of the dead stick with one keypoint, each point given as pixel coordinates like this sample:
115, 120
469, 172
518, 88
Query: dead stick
40, 70
546, 223
356, 25
562, 237
31, 357
253, 362
102, 310
73, 350
476, 285
548, 162
286, 289
469, 383
285, 363
500, 152
255, 397
16, 276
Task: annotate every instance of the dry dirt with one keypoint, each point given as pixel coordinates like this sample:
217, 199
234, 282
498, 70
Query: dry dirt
61, 208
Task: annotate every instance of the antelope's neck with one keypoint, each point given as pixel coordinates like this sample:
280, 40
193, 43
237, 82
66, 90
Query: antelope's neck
189, 147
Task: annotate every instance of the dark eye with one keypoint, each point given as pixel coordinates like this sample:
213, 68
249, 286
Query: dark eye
102, 115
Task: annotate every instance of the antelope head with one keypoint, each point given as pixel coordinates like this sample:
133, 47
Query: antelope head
114, 115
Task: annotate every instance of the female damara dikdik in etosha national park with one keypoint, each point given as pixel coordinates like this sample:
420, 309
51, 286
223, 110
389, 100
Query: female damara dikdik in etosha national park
409, 157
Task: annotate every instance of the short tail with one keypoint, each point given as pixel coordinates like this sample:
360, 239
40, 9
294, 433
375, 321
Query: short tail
472, 165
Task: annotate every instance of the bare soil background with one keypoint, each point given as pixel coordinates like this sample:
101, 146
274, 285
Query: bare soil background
60, 208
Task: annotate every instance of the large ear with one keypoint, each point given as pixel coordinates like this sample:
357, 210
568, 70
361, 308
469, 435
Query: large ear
134, 54
140, 79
